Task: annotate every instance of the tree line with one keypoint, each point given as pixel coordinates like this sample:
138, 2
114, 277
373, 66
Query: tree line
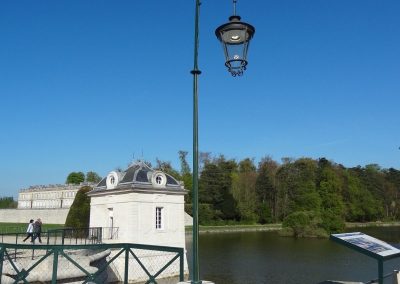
8, 203
309, 196
79, 177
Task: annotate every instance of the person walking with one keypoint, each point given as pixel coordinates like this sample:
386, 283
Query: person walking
37, 230
29, 231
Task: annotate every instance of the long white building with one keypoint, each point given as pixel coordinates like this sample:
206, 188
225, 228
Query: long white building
48, 196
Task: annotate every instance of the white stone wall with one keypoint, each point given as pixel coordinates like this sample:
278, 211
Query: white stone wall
135, 215
49, 216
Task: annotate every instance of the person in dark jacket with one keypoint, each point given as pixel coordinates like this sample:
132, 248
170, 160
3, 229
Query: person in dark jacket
37, 230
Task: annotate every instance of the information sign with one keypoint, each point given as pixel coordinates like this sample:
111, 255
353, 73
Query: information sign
368, 243
369, 246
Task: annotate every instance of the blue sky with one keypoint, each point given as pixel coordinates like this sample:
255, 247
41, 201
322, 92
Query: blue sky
85, 85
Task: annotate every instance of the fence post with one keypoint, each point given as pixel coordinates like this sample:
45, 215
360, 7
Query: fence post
181, 266
33, 250
126, 265
47, 250
15, 250
55, 266
1, 261
380, 271
33, 245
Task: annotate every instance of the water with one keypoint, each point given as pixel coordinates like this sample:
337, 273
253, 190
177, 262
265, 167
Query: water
264, 257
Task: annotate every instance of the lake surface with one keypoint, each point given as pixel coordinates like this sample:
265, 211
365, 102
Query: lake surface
265, 257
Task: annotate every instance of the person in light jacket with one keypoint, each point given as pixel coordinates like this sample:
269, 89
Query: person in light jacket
29, 231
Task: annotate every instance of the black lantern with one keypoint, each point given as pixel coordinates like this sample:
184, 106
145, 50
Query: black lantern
235, 37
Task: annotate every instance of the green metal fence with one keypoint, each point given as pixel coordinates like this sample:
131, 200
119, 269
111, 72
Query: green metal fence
75, 236
72, 236
90, 263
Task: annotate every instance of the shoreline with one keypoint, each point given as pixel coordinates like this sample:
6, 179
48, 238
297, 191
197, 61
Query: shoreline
235, 228
372, 224
278, 227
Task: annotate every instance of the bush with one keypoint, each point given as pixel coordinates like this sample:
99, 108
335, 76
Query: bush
332, 223
303, 224
264, 213
79, 213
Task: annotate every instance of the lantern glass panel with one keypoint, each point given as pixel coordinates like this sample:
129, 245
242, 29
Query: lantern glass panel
235, 51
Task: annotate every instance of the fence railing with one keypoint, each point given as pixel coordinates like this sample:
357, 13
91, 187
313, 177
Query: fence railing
90, 263
76, 236
71, 236
92, 235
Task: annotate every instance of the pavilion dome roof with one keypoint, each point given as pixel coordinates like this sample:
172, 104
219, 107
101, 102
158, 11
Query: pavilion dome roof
139, 175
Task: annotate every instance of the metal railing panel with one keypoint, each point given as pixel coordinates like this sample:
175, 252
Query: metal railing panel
84, 263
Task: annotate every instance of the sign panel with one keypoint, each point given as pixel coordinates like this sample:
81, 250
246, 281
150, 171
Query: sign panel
367, 243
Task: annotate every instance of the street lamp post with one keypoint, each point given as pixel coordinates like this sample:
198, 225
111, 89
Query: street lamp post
235, 37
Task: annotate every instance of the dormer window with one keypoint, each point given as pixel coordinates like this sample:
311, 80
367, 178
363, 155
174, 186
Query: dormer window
158, 179
112, 180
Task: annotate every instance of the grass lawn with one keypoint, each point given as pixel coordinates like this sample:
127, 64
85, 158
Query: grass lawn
21, 227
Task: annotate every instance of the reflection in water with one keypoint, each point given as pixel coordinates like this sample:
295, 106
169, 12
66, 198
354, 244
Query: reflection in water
264, 257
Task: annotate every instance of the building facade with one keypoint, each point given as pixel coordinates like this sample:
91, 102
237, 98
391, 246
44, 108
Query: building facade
48, 196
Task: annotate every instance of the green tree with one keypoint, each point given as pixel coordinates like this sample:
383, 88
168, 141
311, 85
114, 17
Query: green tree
361, 206
186, 175
392, 176
296, 184
8, 203
75, 178
332, 206
167, 168
210, 184
79, 213
92, 177
247, 166
215, 187
210, 193
266, 190
185, 168
244, 191
204, 158
228, 206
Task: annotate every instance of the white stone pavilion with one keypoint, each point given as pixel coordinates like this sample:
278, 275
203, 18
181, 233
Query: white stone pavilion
146, 205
